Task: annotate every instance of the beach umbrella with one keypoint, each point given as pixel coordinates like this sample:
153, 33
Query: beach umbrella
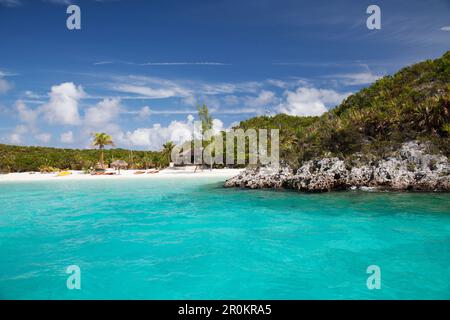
119, 164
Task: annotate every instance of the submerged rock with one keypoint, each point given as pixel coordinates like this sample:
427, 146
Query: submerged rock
410, 168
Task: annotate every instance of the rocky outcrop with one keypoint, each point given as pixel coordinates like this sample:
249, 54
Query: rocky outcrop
412, 167
260, 178
322, 175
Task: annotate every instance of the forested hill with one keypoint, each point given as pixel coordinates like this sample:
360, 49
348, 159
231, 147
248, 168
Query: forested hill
412, 104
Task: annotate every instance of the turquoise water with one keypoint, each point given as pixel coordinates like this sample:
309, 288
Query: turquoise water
192, 239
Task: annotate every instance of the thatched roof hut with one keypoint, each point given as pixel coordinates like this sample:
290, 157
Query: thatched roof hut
119, 164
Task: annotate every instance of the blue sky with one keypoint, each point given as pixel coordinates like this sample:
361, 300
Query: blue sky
137, 69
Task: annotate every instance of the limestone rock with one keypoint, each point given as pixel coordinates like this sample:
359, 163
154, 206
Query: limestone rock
411, 167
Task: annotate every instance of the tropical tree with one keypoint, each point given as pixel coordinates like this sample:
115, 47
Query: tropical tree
167, 149
148, 161
205, 118
101, 139
6, 162
207, 124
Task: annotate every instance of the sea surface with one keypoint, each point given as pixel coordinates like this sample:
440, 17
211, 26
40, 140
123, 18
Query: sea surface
193, 239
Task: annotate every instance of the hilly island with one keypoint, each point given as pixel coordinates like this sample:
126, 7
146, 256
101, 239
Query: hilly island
395, 134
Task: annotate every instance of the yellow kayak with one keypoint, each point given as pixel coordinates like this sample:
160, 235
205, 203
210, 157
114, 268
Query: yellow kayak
64, 173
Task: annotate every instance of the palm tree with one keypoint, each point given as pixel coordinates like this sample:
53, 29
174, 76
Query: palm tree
207, 124
101, 140
167, 149
148, 161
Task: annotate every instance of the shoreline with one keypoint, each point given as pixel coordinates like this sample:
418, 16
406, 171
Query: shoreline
75, 175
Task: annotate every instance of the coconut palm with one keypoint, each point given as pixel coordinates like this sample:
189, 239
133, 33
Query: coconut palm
101, 140
167, 149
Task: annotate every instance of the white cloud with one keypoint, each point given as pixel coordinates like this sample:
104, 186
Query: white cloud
147, 91
190, 91
232, 125
217, 126
264, 99
44, 137
204, 63
16, 136
150, 87
102, 117
155, 136
102, 62
67, 137
306, 101
174, 63
5, 86
221, 88
240, 111
231, 100
360, 78
62, 107
102, 113
66, 2
277, 83
190, 100
26, 114
446, 28
144, 113
10, 3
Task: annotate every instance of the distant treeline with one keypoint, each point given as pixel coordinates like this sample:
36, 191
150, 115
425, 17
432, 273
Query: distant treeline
20, 159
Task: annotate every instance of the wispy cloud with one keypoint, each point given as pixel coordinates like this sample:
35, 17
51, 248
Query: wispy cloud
147, 91
10, 3
204, 63
98, 63
173, 63
446, 28
7, 74
314, 64
191, 91
5, 85
356, 79
16, 3
150, 87
66, 2
146, 111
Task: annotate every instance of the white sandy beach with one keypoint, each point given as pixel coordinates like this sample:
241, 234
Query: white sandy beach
168, 173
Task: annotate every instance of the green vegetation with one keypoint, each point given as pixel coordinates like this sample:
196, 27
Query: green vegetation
101, 140
167, 149
207, 125
20, 159
292, 129
412, 104
205, 118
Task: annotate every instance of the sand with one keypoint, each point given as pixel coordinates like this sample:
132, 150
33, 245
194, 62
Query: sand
168, 173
